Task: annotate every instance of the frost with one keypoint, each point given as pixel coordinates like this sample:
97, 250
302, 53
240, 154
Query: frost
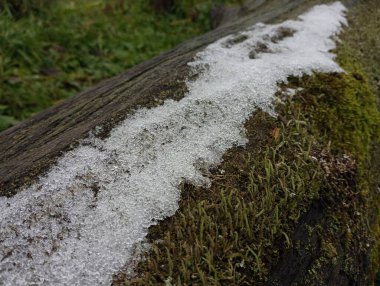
82, 222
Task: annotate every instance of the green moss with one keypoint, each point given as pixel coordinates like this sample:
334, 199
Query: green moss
342, 110
303, 190
359, 48
236, 232
227, 235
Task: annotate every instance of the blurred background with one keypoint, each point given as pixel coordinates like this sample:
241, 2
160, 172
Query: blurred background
52, 49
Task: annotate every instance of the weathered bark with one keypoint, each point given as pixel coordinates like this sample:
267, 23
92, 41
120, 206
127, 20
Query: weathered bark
29, 148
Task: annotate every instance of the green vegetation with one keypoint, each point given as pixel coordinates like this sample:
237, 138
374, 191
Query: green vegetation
302, 196
53, 49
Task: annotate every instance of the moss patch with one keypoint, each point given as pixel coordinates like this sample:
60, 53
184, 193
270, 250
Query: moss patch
333, 241
273, 196
225, 234
300, 204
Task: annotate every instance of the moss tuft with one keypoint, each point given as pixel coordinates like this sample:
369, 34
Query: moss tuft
299, 205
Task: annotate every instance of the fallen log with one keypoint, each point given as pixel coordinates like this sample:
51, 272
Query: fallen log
28, 149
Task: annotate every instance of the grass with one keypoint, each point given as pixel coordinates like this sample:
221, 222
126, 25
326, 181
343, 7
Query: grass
300, 203
51, 50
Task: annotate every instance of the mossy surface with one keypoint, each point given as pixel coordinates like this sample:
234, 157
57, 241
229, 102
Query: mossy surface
292, 189
225, 235
337, 235
299, 205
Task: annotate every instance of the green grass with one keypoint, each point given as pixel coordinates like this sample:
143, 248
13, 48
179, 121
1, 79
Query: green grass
304, 189
50, 50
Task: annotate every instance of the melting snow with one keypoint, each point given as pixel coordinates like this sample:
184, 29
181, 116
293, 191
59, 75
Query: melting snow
82, 221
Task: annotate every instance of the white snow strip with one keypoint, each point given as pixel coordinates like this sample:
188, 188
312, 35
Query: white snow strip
82, 221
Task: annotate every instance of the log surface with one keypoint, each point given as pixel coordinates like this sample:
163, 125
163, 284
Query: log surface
28, 149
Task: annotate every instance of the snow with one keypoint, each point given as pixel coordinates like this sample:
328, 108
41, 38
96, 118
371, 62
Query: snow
83, 220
